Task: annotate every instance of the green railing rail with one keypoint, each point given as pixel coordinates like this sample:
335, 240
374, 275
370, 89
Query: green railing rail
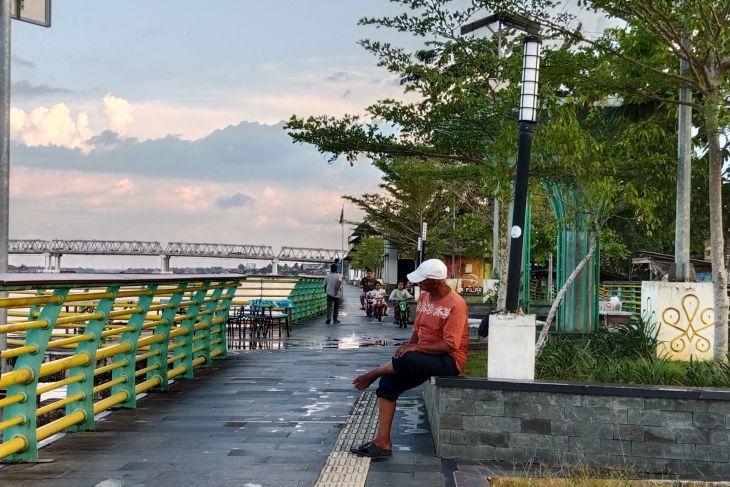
82, 344
305, 293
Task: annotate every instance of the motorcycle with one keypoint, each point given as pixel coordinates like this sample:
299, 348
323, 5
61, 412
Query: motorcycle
369, 309
401, 314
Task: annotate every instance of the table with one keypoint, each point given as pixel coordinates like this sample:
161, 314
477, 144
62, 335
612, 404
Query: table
613, 318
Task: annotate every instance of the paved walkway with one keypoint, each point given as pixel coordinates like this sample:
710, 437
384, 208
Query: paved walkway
266, 417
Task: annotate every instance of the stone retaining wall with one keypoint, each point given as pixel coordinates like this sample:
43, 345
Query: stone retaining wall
642, 429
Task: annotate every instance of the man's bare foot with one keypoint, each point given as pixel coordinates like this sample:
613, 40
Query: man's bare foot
363, 381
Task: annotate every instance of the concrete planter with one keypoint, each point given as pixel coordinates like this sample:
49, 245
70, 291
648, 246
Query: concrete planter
670, 430
683, 313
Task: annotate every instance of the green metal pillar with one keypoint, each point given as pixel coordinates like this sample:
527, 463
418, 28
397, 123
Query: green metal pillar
207, 320
579, 310
191, 317
167, 322
129, 358
26, 409
86, 385
223, 326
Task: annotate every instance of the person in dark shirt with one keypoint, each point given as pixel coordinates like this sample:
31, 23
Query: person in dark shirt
367, 284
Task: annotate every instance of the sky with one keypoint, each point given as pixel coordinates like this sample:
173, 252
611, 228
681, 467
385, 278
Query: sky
163, 120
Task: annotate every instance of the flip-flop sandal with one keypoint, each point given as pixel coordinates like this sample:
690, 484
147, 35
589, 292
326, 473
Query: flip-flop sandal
370, 449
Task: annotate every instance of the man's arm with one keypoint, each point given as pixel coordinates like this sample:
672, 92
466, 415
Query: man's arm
435, 348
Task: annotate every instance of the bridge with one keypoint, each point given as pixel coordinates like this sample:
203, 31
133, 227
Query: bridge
54, 249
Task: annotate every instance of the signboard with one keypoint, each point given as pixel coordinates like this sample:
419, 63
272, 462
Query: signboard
36, 12
472, 290
469, 274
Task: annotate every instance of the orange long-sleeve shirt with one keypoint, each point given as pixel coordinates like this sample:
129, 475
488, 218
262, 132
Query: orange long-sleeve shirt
444, 319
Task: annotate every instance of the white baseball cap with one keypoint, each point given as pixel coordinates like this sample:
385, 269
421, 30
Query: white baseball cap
429, 269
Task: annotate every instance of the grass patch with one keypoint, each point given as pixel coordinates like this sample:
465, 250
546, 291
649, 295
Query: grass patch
476, 364
582, 482
626, 356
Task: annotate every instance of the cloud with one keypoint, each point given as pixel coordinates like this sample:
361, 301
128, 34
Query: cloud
249, 152
118, 113
122, 207
24, 88
51, 127
338, 77
235, 200
21, 62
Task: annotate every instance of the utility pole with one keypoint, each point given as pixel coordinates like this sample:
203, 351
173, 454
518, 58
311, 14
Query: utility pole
681, 270
4, 156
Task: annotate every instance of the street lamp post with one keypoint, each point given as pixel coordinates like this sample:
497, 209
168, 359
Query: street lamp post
512, 336
527, 119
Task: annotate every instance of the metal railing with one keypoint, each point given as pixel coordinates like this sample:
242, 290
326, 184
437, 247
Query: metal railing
629, 292
82, 345
305, 294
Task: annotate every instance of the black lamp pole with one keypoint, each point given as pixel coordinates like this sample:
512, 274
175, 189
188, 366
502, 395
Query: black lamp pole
514, 269
528, 116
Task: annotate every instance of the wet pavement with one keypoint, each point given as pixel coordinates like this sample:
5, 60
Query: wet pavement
268, 416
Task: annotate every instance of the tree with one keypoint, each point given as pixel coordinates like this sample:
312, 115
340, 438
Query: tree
465, 114
662, 32
368, 254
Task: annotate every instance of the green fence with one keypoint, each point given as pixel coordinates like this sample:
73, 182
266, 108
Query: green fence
308, 298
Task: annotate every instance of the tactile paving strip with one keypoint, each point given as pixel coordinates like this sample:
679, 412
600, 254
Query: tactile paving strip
344, 469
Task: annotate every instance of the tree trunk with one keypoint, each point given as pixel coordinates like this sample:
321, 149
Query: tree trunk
503, 256
542, 339
719, 272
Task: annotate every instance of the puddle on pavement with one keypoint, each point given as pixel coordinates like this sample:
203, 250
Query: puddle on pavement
413, 416
344, 342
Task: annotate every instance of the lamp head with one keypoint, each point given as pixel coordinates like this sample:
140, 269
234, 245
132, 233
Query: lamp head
530, 79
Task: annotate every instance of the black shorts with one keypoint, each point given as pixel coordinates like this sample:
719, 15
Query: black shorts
413, 369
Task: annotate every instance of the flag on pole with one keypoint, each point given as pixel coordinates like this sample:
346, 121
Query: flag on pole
342, 215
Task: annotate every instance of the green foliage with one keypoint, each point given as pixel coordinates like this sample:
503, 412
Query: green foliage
476, 364
627, 356
368, 254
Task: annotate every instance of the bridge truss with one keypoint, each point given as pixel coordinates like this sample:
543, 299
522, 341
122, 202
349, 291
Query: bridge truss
303, 254
105, 247
186, 249
178, 249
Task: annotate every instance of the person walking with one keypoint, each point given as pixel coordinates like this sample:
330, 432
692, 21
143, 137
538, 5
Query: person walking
438, 346
333, 289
